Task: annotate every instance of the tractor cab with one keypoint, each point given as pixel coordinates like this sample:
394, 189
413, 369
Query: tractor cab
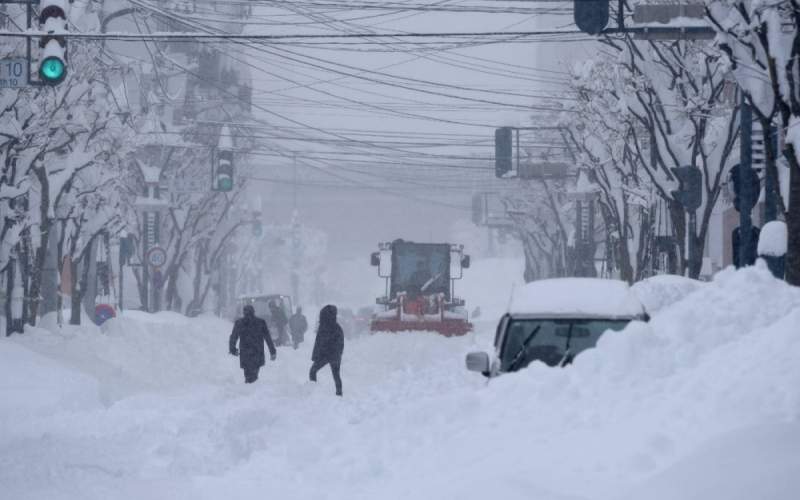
420, 287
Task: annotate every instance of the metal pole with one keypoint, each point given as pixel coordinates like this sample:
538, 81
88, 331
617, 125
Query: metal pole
145, 265
29, 23
770, 168
692, 239
294, 183
746, 195
121, 276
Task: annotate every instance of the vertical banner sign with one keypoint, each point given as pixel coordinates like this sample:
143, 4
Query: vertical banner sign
150, 230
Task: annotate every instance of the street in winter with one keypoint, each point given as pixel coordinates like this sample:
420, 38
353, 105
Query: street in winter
415, 249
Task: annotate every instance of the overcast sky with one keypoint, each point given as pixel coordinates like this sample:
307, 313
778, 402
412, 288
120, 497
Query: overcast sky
382, 135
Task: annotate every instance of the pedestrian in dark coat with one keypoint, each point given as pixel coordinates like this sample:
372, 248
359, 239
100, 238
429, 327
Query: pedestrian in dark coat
280, 320
251, 333
297, 327
328, 346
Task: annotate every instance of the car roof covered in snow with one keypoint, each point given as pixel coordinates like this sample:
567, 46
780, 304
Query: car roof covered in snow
576, 297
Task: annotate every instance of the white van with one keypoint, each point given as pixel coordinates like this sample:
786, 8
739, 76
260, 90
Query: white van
554, 320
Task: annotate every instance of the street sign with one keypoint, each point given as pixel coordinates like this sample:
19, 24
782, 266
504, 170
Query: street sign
13, 73
664, 13
103, 313
156, 257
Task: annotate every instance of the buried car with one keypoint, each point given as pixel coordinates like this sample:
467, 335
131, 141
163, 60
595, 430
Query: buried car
554, 320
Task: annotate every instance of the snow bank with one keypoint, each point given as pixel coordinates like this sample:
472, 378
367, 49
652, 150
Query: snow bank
755, 462
660, 291
33, 385
701, 402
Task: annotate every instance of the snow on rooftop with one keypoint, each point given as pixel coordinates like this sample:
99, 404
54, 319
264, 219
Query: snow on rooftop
576, 296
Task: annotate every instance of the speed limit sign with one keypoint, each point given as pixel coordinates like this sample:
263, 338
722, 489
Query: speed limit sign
156, 257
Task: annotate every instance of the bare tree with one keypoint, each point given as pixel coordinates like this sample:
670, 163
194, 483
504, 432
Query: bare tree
762, 42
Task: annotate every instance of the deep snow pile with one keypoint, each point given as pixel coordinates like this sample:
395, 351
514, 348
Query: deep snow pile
658, 292
702, 402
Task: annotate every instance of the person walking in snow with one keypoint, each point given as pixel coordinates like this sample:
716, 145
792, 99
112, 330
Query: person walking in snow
328, 346
297, 327
280, 320
251, 333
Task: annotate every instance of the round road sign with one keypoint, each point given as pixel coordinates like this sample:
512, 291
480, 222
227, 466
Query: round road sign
156, 256
103, 312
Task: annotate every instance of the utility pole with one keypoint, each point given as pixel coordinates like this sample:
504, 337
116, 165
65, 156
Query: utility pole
295, 276
294, 182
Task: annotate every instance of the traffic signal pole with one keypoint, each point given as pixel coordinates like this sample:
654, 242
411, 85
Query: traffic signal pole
746, 194
29, 25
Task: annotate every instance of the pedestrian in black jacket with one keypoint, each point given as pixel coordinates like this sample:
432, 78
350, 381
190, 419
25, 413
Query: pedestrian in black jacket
251, 333
328, 346
280, 321
297, 327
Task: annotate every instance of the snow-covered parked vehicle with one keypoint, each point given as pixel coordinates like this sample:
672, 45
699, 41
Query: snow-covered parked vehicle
554, 320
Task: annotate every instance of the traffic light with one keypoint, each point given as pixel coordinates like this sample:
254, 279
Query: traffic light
223, 180
127, 249
689, 193
503, 151
591, 16
257, 229
753, 183
53, 58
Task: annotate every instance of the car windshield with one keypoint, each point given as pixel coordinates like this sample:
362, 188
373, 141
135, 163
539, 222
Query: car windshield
552, 341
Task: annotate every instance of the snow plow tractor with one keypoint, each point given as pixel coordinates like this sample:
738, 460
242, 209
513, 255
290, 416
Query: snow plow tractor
420, 279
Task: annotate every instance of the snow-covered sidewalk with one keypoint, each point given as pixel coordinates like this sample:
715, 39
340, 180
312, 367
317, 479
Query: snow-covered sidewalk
702, 402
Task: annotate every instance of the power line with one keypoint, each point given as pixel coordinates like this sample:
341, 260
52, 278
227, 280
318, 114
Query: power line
202, 37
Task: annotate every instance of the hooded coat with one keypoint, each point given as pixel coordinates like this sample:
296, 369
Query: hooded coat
251, 333
329, 344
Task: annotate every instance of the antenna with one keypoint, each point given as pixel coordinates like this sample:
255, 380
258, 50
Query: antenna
511, 297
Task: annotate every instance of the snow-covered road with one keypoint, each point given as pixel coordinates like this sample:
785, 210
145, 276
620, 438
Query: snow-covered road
702, 402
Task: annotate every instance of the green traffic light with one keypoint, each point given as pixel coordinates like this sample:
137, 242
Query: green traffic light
52, 70
225, 184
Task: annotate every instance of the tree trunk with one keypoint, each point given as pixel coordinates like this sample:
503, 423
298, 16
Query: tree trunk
196, 304
13, 325
34, 291
50, 274
41, 250
75, 298
79, 287
623, 252
678, 218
